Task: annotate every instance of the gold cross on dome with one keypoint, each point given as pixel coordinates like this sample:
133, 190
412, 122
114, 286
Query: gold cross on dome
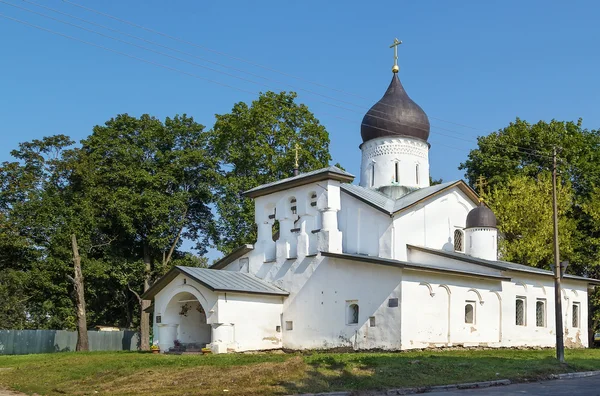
397, 42
480, 184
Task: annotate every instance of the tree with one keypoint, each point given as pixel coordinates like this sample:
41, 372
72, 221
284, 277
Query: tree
514, 157
150, 185
255, 145
527, 238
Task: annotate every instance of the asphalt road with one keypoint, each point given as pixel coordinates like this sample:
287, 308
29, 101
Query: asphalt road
588, 386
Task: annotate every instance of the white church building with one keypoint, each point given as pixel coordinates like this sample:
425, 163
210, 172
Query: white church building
390, 263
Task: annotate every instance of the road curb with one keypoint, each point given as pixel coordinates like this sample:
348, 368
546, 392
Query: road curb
420, 389
581, 374
453, 387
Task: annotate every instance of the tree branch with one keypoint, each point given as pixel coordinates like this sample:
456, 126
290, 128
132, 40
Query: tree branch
135, 293
69, 277
101, 245
166, 261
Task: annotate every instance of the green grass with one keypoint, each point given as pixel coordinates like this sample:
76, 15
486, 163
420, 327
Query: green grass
129, 373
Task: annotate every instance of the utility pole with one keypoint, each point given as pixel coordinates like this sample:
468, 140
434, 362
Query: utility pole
560, 347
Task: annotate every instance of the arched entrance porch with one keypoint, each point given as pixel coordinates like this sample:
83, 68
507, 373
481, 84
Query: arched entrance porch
184, 319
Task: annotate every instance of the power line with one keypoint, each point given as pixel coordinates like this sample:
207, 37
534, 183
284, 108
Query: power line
238, 58
211, 69
528, 151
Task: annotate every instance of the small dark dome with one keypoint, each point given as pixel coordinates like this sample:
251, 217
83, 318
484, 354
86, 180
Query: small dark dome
395, 115
481, 216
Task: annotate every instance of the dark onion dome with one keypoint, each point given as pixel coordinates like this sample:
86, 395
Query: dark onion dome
481, 216
395, 115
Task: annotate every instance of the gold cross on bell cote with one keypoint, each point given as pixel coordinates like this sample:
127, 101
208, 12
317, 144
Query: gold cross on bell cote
397, 42
480, 184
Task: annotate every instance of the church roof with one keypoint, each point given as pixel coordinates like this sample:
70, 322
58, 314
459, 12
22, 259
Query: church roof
415, 266
329, 173
217, 280
481, 216
390, 206
500, 265
395, 115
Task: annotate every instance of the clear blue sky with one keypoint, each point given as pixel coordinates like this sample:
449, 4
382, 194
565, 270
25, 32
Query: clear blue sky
473, 63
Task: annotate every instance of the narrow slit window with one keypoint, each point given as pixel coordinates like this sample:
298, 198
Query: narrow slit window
371, 321
417, 173
372, 175
293, 206
396, 172
540, 313
458, 240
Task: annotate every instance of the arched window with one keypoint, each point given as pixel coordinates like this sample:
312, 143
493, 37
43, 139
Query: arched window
397, 172
458, 241
417, 173
470, 312
352, 314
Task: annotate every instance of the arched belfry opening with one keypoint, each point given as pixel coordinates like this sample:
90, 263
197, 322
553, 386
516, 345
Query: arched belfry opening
184, 324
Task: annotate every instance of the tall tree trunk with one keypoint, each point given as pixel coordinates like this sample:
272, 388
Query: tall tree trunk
145, 317
82, 334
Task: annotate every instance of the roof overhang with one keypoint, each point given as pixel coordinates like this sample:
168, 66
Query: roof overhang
499, 264
413, 266
300, 180
234, 255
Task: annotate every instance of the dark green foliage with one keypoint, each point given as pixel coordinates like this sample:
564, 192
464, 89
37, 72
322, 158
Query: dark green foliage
255, 145
516, 162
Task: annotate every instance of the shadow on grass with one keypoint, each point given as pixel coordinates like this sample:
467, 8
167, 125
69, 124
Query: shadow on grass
363, 371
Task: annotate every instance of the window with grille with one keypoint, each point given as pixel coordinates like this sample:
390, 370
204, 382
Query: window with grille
458, 241
575, 314
520, 312
470, 312
293, 206
540, 313
352, 314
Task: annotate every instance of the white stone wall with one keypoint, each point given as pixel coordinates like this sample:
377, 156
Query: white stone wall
380, 156
365, 229
248, 322
432, 223
481, 242
234, 321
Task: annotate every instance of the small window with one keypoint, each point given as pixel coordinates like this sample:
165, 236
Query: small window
470, 312
393, 303
353, 314
576, 315
458, 240
313, 199
371, 321
540, 313
293, 206
278, 329
520, 311
158, 319
372, 175
417, 173
397, 172
289, 325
